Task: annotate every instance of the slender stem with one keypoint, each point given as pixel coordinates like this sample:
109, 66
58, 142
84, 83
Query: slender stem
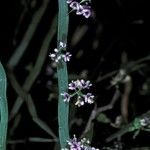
21, 48
78, 92
29, 81
63, 108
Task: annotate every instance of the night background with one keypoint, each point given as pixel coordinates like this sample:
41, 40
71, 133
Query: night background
112, 44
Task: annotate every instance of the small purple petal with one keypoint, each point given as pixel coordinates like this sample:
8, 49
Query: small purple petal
82, 144
73, 85
79, 10
88, 98
66, 97
66, 56
86, 13
74, 5
82, 84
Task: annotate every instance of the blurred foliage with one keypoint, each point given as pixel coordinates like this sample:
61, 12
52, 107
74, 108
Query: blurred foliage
103, 118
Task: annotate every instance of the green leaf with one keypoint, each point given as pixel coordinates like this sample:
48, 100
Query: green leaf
103, 118
62, 73
3, 109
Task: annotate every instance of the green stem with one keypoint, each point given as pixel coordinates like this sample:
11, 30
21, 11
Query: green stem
63, 108
78, 92
3, 109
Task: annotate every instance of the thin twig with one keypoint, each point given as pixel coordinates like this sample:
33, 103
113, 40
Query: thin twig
32, 139
88, 125
108, 75
125, 98
96, 111
36, 70
20, 20
111, 104
31, 107
17, 55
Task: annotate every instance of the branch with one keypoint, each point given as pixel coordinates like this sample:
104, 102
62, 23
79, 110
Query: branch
17, 55
30, 104
36, 70
32, 139
96, 111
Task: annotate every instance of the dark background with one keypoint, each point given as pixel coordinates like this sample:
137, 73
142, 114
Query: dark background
117, 28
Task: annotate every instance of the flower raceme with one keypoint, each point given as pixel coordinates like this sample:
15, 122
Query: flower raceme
75, 144
57, 55
80, 84
80, 8
78, 88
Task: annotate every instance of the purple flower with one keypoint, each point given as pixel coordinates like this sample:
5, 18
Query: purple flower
88, 98
82, 144
55, 56
58, 56
66, 57
80, 84
85, 84
145, 121
74, 5
66, 97
79, 10
84, 10
62, 45
73, 85
74, 144
86, 13
77, 86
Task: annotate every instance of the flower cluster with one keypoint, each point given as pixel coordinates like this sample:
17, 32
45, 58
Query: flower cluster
80, 8
77, 87
57, 56
82, 144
